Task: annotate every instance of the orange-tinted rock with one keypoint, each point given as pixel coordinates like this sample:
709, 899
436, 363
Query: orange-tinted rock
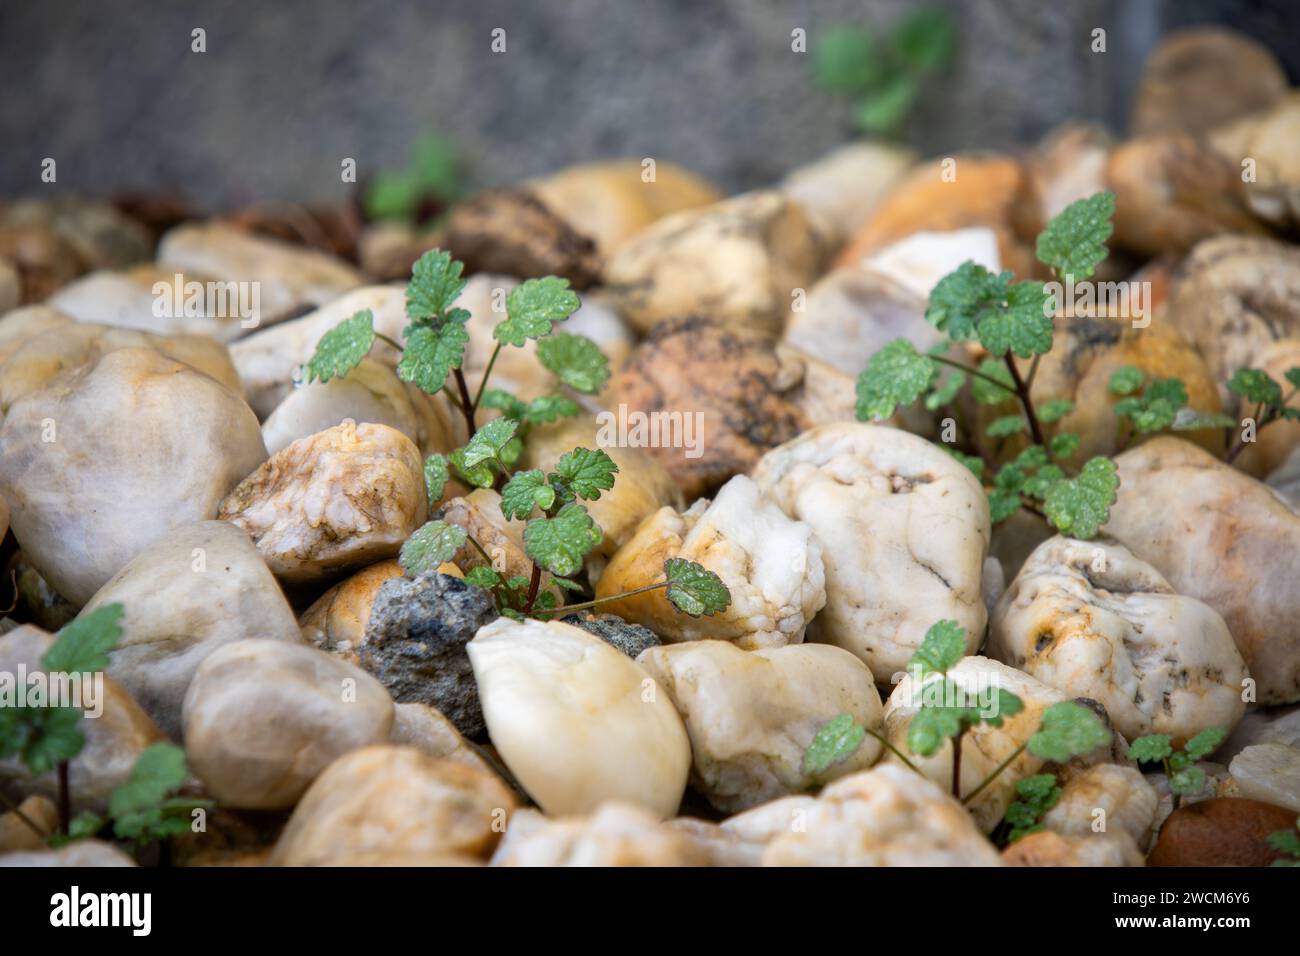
1222, 831
982, 190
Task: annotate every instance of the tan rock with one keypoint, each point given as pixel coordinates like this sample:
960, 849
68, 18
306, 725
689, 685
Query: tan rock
1048, 848
720, 395
1067, 165
903, 529
142, 445
1118, 799
197, 588
1272, 445
479, 513
269, 359
1094, 621
287, 276
36, 363
263, 718
336, 622
1086, 351
737, 262
1200, 77
514, 232
610, 201
428, 731
841, 189
1233, 554
29, 825
770, 564
1173, 190
1268, 772
342, 498
394, 801
1233, 297
886, 816
615, 834
576, 721
80, 853
1266, 139
114, 739
752, 715
371, 394
20, 326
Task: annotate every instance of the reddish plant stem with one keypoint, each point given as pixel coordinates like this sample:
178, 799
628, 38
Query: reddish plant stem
1022, 392
534, 583
65, 798
956, 767
466, 403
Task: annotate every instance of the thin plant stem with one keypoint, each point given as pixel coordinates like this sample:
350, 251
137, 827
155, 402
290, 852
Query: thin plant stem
388, 341
65, 798
892, 749
942, 360
466, 405
613, 597
482, 385
534, 583
1022, 392
994, 775
956, 766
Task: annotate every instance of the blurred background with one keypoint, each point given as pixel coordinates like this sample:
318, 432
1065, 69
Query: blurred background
286, 90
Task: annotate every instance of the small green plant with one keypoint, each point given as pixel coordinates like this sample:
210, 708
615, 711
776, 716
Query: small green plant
560, 531
885, 76
430, 180
1160, 405
146, 809
1034, 797
1286, 842
1271, 405
1009, 320
945, 713
1185, 778
1013, 321
48, 738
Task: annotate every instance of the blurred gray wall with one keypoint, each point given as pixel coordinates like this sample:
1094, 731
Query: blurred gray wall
287, 88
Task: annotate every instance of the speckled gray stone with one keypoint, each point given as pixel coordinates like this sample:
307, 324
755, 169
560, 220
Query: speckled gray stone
415, 644
631, 639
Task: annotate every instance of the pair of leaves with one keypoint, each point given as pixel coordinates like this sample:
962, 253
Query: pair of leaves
1078, 507
1035, 796
1162, 404
932, 725
540, 411
1185, 778
1005, 316
581, 473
